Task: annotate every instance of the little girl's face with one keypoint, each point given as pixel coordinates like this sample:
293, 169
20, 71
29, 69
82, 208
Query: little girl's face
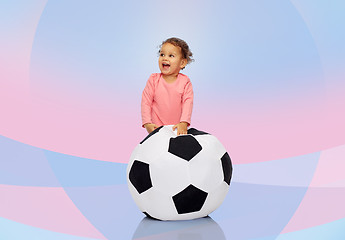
171, 60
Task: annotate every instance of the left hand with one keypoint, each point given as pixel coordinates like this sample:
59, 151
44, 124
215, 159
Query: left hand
181, 128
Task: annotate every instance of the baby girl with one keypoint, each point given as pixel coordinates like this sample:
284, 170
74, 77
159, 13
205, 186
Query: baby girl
167, 98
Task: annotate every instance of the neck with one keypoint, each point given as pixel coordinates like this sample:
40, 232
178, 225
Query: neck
170, 78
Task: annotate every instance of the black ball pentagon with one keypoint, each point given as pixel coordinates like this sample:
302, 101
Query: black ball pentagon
152, 133
184, 146
227, 167
195, 132
191, 199
139, 175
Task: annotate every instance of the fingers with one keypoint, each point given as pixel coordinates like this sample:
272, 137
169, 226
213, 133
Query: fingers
150, 129
181, 132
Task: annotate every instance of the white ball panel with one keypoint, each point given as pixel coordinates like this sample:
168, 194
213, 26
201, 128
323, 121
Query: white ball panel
211, 143
159, 205
206, 171
136, 196
157, 144
170, 174
215, 198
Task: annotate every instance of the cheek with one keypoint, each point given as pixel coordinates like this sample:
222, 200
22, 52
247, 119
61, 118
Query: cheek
177, 62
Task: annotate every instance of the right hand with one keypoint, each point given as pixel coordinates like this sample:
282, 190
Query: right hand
150, 127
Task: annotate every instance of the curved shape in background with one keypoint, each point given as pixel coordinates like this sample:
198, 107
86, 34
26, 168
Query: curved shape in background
270, 197
272, 100
269, 79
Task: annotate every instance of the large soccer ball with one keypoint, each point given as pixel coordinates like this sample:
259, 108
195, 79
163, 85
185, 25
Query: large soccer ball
182, 177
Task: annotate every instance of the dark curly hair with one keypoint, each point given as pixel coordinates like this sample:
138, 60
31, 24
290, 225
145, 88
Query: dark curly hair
186, 52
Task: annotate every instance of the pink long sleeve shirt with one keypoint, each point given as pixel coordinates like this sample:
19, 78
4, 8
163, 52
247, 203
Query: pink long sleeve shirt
165, 103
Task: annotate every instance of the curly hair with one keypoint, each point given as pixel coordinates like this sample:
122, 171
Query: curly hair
186, 52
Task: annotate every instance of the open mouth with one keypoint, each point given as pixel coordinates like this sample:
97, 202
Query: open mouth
165, 65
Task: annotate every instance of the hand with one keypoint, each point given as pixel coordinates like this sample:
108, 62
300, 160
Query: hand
181, 128
150, 127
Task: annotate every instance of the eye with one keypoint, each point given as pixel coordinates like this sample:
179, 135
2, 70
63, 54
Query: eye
162, 54
171, 55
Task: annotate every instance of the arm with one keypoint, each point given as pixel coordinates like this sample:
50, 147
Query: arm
187, 107
150, 127
146, 105
187, 103
146, 102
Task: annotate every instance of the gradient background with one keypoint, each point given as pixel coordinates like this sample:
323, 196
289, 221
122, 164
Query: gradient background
269, 83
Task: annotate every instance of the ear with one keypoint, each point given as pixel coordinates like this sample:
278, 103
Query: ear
183, 63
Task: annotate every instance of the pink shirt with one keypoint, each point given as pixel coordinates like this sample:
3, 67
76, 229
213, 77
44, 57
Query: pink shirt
165, 103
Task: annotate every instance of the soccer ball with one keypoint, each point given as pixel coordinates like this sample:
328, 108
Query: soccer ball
182, 177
